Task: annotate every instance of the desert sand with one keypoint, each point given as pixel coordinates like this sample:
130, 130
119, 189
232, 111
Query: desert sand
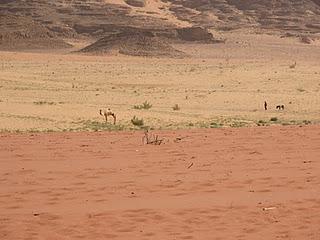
226, 168
246, 183
221, 84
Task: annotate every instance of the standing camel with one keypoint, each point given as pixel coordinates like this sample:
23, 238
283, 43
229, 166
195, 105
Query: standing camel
107, 113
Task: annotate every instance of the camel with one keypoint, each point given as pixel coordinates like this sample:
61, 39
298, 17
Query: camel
107, 113
279, 107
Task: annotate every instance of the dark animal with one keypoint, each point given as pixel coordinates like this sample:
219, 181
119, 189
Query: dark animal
280, 107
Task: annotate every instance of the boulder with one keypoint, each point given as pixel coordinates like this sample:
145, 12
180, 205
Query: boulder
195, 34
136, 3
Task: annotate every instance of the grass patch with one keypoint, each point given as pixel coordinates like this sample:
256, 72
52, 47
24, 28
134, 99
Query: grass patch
44, 103
215, 125
146, 105
238, 124
137, 121
97, 126
31, 130
262, 123
306, 122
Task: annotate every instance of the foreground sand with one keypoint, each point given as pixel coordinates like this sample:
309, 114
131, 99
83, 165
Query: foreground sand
248, 183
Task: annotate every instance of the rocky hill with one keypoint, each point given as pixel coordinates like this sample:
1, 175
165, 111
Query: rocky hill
44, 24
301, 16
134, 43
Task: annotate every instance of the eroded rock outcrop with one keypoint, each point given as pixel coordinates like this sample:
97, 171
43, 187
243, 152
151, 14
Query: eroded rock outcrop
134, 43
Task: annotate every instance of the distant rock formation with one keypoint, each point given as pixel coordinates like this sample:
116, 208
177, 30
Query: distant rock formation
136, 3
42, 23
134, 43
196, 34
22, 33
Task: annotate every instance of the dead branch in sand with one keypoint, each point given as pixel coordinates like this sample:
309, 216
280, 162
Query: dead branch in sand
150, 138
178, 139
190, 165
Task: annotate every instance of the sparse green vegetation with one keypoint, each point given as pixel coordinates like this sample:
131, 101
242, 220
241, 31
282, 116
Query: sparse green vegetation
31, 130
306, 122
238, 124
98, 126
215, 125
146, 105
262, 123
44, 103
274, 119
137, 122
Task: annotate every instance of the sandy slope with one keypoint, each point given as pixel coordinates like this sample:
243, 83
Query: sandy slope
249, 183
155, 8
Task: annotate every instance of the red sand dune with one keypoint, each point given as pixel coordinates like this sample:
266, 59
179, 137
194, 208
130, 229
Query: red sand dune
249, 183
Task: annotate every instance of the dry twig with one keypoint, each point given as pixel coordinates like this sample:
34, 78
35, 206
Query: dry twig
150, 138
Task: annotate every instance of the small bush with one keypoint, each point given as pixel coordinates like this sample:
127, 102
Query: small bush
292, 66
215, 125
262, 123
176, 107
137, 122
306, 122
273, 119
301, 90
145, 105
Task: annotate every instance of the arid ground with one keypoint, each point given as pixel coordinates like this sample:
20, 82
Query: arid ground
244, 183
195, 73
220, 85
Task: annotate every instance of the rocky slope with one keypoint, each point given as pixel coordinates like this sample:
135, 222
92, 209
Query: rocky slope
277, 15
134, 43
45, 23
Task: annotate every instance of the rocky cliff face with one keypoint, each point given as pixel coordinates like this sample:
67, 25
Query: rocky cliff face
277, 15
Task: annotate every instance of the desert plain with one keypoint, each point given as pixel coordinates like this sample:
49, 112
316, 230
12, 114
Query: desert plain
222, 84
210, 179
222, 167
